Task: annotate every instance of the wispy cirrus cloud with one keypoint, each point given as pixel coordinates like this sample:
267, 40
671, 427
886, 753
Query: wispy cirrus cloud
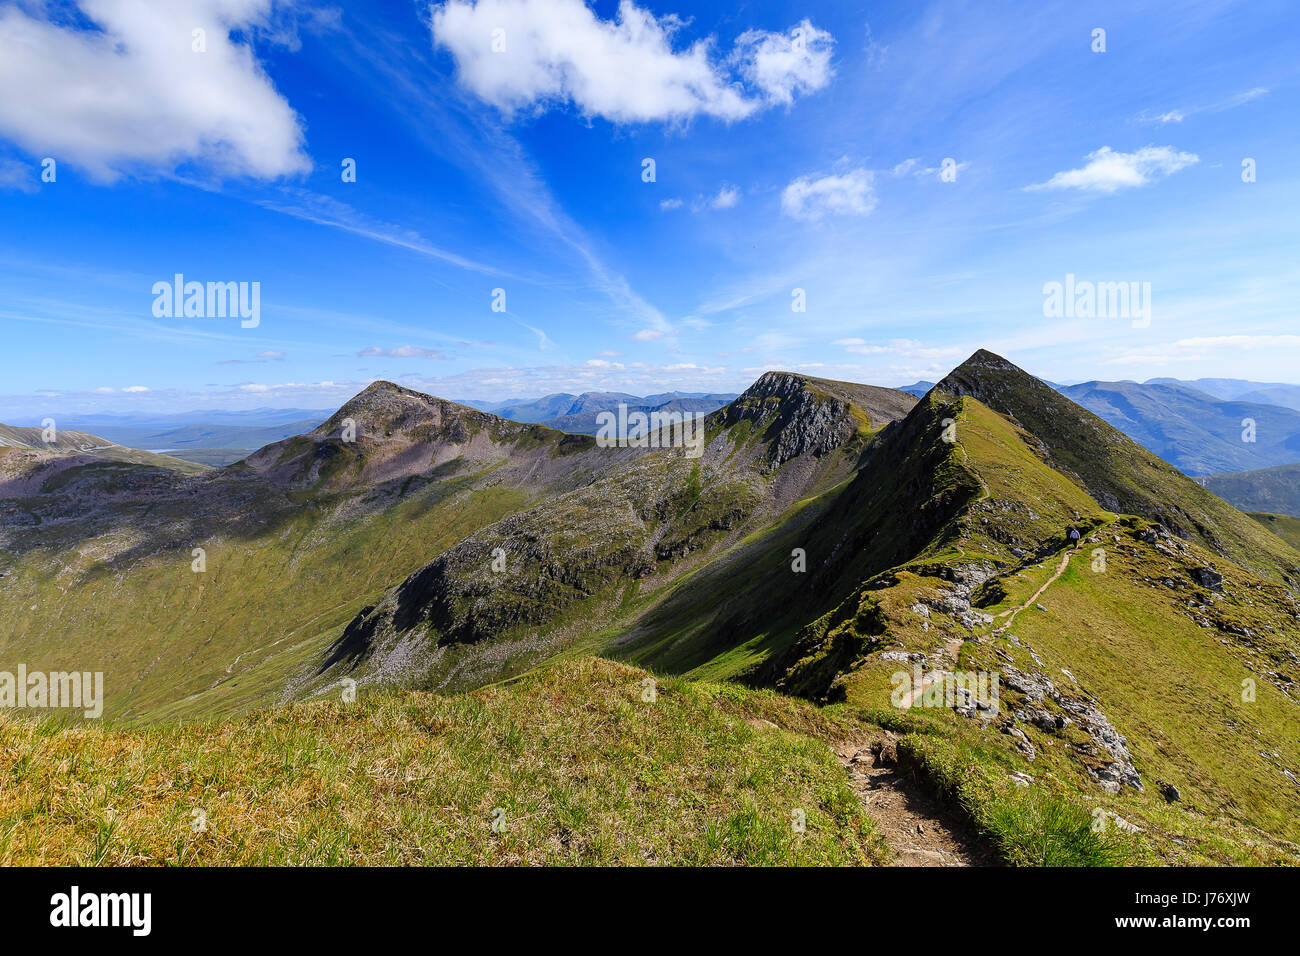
327, 211
402, 351
1178, 115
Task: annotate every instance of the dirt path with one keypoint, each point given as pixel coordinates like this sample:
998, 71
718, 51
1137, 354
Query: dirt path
919, 830
1060, 569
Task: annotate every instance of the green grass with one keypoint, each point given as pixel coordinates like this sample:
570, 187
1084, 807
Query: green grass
1273, 490
1285, 527
573, 762
172, 642
1129, 636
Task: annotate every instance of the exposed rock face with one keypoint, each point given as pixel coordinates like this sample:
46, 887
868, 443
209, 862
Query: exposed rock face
957, 602
810, 416
1116, 772
1208, 578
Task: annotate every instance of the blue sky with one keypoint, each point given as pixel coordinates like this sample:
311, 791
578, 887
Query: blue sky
796, 146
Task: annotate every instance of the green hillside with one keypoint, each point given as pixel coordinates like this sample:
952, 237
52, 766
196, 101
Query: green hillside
1285, 527
572, 766
1272, 490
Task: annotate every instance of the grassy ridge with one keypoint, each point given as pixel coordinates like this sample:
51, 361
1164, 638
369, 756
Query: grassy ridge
1161, 655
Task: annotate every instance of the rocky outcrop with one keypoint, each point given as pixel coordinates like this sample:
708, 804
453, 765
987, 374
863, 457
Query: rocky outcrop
1115, 769
799, 415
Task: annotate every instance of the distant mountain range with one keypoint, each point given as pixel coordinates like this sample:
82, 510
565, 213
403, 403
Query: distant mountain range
1194, 430
1240, 390
216, 437
1273, 490
71, 442
577, 414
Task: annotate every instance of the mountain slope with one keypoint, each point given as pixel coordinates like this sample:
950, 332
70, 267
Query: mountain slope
69, 442
1120, 474
571, 766
1122, 663
1089, 654
1286, 527
529, 586
1275, 490
97, 559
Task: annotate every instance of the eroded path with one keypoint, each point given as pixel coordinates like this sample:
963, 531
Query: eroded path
918, 828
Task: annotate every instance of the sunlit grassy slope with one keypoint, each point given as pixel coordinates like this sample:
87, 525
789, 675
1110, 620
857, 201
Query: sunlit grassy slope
189, 643
1285, 527
1126, 626
573, 764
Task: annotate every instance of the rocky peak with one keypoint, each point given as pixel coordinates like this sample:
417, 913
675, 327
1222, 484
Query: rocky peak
804, 415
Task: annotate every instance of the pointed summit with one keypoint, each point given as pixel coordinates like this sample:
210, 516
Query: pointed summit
1116, 471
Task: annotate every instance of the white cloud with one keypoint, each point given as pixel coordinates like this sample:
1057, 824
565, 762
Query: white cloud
1201, 348
670, 204
402, 351
327, 211
543, 340
133, 94
1178, 115
649, 335
135, 388
913, 167
270, 355
726, 198
782, 64
624, 70
810, 199
1108, 171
